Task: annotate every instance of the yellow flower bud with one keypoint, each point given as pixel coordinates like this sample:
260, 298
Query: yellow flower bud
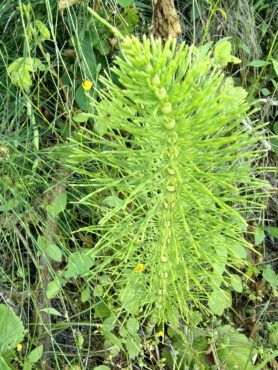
87, 85
139, 268
19, 347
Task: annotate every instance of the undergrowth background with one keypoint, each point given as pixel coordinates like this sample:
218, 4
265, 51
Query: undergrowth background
63, 313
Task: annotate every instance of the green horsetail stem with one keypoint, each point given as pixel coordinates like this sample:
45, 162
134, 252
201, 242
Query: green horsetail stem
169, 172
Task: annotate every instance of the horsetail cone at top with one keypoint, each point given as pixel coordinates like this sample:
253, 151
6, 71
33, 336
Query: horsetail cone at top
184, 167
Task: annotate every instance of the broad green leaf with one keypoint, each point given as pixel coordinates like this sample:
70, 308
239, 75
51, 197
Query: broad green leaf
54, 252
133, 346
125, 3
35, 355
27, 365
275, 127
57, 206
273, 231
244, 47
4, 365
273, 333
269, 275
88, 57
219, 268
102, 310
44, 31
173, 316
240, 251
274, 144
258, 63
11, 329
111, 339
21, 64
130, 296
265, 91
60, 202
219, 300
236, 283
222, 53
81, 98
80, 340
38, 65
79, 264
103, 46
112, 201
85, 294
109, 324
20, 71
131, 21
259, 235
51, 311
275, 66
98, 291
234, 60
102, 367
132, 325
82, 117
53, 288
123, 332
10, 205
234, 349
49, 249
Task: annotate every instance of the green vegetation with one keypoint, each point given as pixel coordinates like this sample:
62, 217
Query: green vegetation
138, 193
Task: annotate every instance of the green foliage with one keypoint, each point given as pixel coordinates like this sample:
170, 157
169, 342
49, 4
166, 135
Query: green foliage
51, 311
11, 334
57, 206
103, 302
20, 71
219, 300
222, 53
125, 2
79, 263
54, 287
273, 231
234, 349
11, 329
222, 346
259, 235
270, 276
33, 357
49, 249
175, 172
273, 333
258, 63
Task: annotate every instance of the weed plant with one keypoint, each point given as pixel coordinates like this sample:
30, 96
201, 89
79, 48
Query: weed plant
97, 267
171, 180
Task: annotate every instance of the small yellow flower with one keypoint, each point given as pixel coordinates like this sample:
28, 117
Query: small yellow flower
19, 347
160, 333
139, 268
87, 85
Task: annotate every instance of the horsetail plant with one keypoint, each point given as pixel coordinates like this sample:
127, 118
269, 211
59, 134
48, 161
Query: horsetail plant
168, 174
